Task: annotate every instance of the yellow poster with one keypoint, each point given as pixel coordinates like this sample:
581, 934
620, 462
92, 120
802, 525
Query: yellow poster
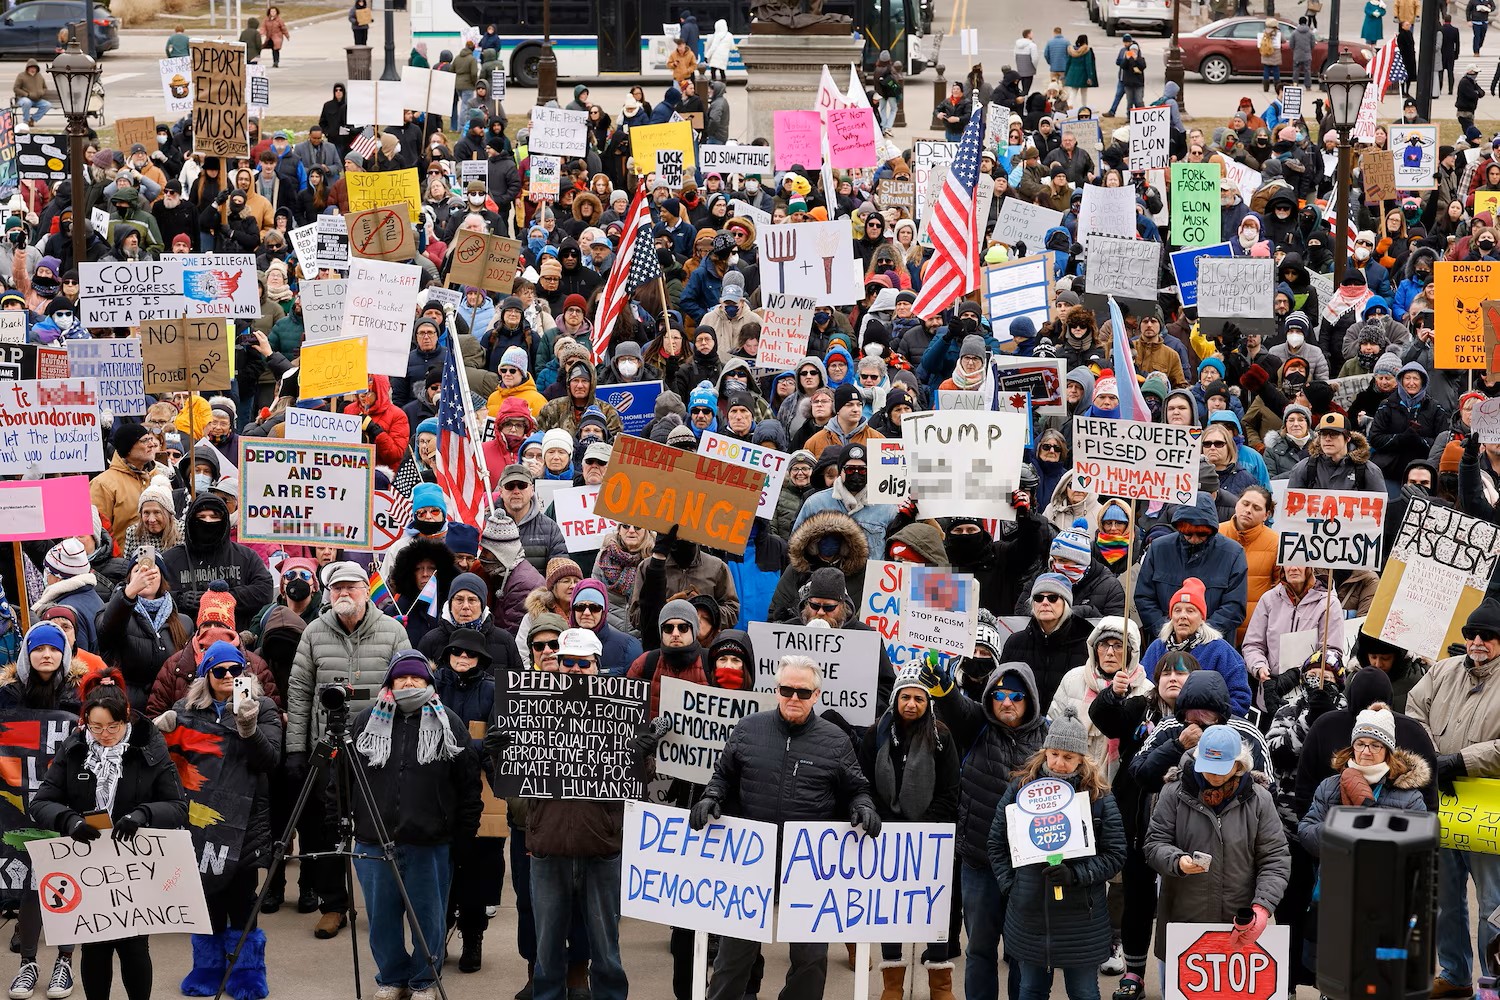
1486, 201
372, 190
1460, 288
333, 368
1471, 819
645, 140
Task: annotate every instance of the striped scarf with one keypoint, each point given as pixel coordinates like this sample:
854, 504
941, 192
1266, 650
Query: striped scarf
1112, 548
434, 737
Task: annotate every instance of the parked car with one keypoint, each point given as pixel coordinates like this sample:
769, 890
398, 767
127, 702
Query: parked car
33, 28
1228, 48
1114, 14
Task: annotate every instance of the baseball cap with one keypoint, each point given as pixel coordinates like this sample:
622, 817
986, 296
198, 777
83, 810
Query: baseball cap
1217, 751
515, 474
346, 572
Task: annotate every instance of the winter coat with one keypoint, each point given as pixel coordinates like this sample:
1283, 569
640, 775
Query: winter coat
1462, 712
1353, 472
197, 562
116, 492
541, 538
1050, 657
1260, 545
502, 647
329, 654
1079, 689
1161, 751
1041, 928
872, 518
852, 563
422, 805
148, 782
1400, 434
177, 674
1401, 792
1276, 615
719, 47
889, 732
757, 574
81, 594
1213, 652
387, 428
128, 642
1282, 454
1218, 562
1251, 865
705, 574
1128, 721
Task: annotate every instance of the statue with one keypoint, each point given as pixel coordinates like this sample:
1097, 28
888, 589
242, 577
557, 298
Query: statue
794, 14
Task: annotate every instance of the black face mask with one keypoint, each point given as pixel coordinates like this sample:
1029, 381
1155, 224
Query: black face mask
298, 590
966, 325
966, 550
1367, 361
46, 287
430, 527
209, 533
855, 480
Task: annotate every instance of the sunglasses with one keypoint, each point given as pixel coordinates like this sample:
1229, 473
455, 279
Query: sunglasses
801, 694
1055, 449
1214, 444
810, 373
1045, 598
576, 662
223, 672
1010, 696
544, 645
676, 628
1480, 634
514, 487
595, 461
823, 607
509, 370
587, 609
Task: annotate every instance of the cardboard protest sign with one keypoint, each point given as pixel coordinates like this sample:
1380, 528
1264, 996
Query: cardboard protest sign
1125, 267
735, 159
926, 156
964, 463
851, 138
135, 131
720, 880
836, 887
164, 356
1379, 172
116, 365
702, 718
1459, 290
382, 233
218, 284
50, 423
812, 260
1135, 459
1204, 962
127, 293
488, 262
371, 190
1195, 204
45, 508
1107, 211
941, 610
635, 402
1185, 269
887, 471
785, 322
1470, 818
382, 297
1021, 222
850, 661
1235, 287
797, 138
900, 192
28, 740
177, 84
1017, 288
568, 734
1439, 566
645, 140
1323, 529
221, 116
1150, 137
573, 510
750, 456
334, 367
322, 308
1049, 820
390, 514
110, 889
1040, 378
558, 132
321, 426
1414, 149
306, 493
656, 486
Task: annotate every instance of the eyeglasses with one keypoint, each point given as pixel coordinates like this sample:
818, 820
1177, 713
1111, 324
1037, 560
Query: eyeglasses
676, 628
514, 487
595, 461
1194, 531
1363, 243
801, 694
576, 662
1113, 645
823, 607
462, 654
1054, 448
1010, 695
100, 728
700, 409
588, 609
870, 376
1045, 598
1214, 444
809, 373
541, 646
223, 672
70, 281
1483, 635
509, 370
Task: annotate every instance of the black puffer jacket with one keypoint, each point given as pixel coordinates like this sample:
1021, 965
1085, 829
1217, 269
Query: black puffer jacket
776, 772
422, 804
1049, 656
990, 752
127, 641
203, 558
501, 647
148, 782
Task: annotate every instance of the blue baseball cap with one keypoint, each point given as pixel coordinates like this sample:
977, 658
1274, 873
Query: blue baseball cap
1217, 750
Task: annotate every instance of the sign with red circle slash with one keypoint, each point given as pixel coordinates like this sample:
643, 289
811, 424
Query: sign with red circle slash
61, 892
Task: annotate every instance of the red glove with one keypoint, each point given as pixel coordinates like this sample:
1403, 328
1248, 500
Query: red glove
1243, 937
909, 508
1021, 501
1354, 788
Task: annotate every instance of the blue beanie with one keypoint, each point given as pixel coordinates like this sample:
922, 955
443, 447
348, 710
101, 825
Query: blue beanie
45, 634
1074, 545
428, 426
219, 653
703, 395
1213, 363
428, 495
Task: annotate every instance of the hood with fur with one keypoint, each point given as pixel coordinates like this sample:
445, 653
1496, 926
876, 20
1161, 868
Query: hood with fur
856, 548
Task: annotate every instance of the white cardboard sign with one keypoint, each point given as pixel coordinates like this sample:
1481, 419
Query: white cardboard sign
702, 719
850, 660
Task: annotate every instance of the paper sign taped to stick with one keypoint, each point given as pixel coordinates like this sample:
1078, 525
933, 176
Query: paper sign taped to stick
334, 367
785, 323
1235, 287
221, 115
750, 456
718, 880
322, 427
702, 719
1135, 459
850, 661
218, 284
941, 610
568, 734
735, 159
51, 423
573, 510
656, 486
306, 493
371, 190
964, 463
1323, 529
559, 132
383, 233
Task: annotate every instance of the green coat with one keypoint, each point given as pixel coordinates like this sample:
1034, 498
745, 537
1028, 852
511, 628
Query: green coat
465, 70
250, 38
286, 336
1081, 71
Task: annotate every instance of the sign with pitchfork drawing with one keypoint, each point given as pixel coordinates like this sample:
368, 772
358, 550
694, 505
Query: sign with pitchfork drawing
812, 260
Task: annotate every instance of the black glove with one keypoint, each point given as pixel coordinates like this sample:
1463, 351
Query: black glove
867, 817
374, 430
1020, 500
296, 767
80, 830
127, 826
643, 743
496, 742
1061, 874
1450, 766
664, 544
705, 811
1471, 446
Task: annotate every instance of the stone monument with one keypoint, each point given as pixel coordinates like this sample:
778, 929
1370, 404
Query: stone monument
784, 55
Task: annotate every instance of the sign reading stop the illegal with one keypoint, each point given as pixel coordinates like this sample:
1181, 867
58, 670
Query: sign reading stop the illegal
1205, 963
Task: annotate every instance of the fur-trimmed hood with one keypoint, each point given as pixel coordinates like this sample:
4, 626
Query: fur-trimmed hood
856, 547
403, 578
1408, 770
62, 588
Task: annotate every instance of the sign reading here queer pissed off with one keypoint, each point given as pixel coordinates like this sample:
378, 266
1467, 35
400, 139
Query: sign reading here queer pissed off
656, 486
1135, 459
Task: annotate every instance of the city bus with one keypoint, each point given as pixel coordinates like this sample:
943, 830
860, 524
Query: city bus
623, 41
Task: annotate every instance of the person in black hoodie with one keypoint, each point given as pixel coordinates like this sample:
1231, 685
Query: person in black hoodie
1280, 224
576, 279
174, 215
705, 365
206, 555
334, 119
1294, 273
504, 180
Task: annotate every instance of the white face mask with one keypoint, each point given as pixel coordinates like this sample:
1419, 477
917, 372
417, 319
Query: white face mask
1361, 253
1295, 340
629, 367
476, 199
1249, 237
752, 185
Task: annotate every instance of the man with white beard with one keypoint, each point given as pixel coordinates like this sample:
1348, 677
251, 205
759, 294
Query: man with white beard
351, 643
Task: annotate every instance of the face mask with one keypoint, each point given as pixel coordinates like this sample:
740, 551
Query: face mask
476, 199
64, 320
729, 678
210, 532
1295, 340
822, 317
752, 186
629, 367
1367, 362
734, 385
731, 309
409, 700
218, 438
684, 553
430, 527
535, 244
201, 482
855, 480
1486, 246
1248, 238
298, 589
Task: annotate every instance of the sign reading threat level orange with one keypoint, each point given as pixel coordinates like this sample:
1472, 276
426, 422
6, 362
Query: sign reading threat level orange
656, 486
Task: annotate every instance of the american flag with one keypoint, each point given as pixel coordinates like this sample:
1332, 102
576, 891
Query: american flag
408, 474
954, 267
1386, 68
366, 144
1132, 400
644, 267
617, 287
458, 469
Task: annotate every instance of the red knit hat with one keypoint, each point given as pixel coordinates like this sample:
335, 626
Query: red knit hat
1191, 592
216, 606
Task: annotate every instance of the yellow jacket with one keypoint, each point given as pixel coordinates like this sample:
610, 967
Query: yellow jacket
526, 390
193, 419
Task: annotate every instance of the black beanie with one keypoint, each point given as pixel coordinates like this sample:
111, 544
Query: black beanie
127, 436
825, 584
844, 395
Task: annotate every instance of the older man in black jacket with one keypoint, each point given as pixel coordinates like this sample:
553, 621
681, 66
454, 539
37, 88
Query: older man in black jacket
763, 749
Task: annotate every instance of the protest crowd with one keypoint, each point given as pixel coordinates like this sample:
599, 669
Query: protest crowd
1057, 459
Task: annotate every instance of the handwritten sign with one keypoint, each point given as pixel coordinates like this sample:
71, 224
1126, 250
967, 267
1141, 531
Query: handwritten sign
1379, 172
1235, 287
116, 364
322, 427
1135, 459
1185, 269
382, 299
669, 168
221, 114
901, 192
1150, 136
1107, 211
334, 367
546, 178
656, 486
851, 138
382, 233
927, 155
130, 132
124, 294
1414, 151
306, 493
323, 308
750, 456
558, 132
964, 463
850, 659
568, 735
702, 718
573, 510
369, 190
645, 140
1323, 529
485, 261
50, 423
735, 159
1460, 289
785, 323
798, 139
1126, 267
1022, 222
1195, 204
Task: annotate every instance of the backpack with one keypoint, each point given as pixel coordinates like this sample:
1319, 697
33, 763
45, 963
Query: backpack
1266, 48
890, 86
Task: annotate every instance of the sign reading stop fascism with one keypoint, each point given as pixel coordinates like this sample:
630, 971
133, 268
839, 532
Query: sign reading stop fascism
1205, 963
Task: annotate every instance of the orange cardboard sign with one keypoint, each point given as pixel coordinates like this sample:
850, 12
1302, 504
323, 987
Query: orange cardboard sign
657, 486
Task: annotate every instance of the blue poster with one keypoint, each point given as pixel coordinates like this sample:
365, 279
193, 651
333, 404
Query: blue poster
1185, 266
10, 168
634, 401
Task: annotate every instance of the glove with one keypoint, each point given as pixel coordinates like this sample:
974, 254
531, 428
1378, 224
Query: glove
704, 811
1242, 937
643, 743
1450, 766
1354, 788
1021, 501
664, 544
374, 430
245, 716
867, 817
1061, 874
934, 676
80, 830
166, 721
496, 742
127, 826
908, 508
1471, 446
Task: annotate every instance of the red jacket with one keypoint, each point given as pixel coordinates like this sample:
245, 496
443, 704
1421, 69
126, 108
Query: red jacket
394, 431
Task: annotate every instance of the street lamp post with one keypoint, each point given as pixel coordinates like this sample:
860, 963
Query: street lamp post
1173, 66
546, 64
74, 74
1346, 81
389, 72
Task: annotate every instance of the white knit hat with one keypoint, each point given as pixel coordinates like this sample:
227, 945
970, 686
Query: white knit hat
159, 491
67, 559
557, 438
1376, 723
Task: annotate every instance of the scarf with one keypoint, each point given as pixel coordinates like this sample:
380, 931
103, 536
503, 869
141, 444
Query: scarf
1072, 570
1174, 645
1217, 798
1112, 548
156, 610
1374, 774
617, 567
851, 502
434, 737
965, 381
918, 775
105, 764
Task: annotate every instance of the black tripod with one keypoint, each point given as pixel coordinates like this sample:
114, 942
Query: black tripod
336, 750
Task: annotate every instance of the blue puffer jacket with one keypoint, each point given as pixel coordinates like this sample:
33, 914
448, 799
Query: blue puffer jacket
1219, 562
941, 356
1212, 653
469, 696
754, 585
702, 291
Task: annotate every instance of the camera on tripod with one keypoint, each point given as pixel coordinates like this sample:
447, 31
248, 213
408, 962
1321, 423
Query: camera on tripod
335, 698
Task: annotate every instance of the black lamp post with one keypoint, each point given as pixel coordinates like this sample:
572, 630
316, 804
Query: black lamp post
546, 64
74, 74
1346, 81
390, 73
1172, 68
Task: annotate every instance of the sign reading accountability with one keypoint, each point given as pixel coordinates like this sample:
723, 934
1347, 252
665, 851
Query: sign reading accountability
567, 734
313, 494
850, 661
656, 486
1322, 529
1135, 460
721, 879
702, 718
839, 885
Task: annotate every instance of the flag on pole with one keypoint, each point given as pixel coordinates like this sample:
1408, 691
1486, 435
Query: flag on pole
1132, 400
616, 291
953, 229
379, 592
855, 97
1384, 67
645, 267
458, 468
366, 144
408, 474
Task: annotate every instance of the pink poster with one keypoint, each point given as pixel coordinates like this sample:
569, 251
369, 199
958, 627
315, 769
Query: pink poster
798, 139
851, 138
45, 508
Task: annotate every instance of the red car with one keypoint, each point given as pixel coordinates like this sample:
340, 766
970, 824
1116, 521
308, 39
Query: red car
1228, 48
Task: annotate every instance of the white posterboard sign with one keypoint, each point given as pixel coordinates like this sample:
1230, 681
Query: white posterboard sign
323, 301
812, 260
1324, 529
1020, 222
850, 660
13, 326
322, 427
1124, 267
52, 424
835, 887
1204, 963
926, 156
964, 463
1017, 288
752, 456
219, 284
557, 132
177, 84
1108, 212
573, 510
1150, 137
887, 471
718, 880
941, 610
1414, 150
332, 242
107, 889
1442, 557
428, 90
382, 296
1291, 103
702, 719
669, 167
128, 293
313, 494
1484, 418
116, 363
745, 210
1135, 459
735, 160
376, 102
1049, 820
785, 323
1235, 287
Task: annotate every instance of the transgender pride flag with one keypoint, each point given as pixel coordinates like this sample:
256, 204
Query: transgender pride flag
1132, 402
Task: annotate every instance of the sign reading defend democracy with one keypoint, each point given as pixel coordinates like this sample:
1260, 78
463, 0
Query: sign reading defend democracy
1323, 529
312, 494
657, 486
567, 734
1135, 459
702, 719
850, 659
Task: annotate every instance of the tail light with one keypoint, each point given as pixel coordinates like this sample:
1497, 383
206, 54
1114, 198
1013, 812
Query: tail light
103, 22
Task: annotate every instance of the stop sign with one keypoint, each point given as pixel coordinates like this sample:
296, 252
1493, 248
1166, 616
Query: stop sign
1214, 968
